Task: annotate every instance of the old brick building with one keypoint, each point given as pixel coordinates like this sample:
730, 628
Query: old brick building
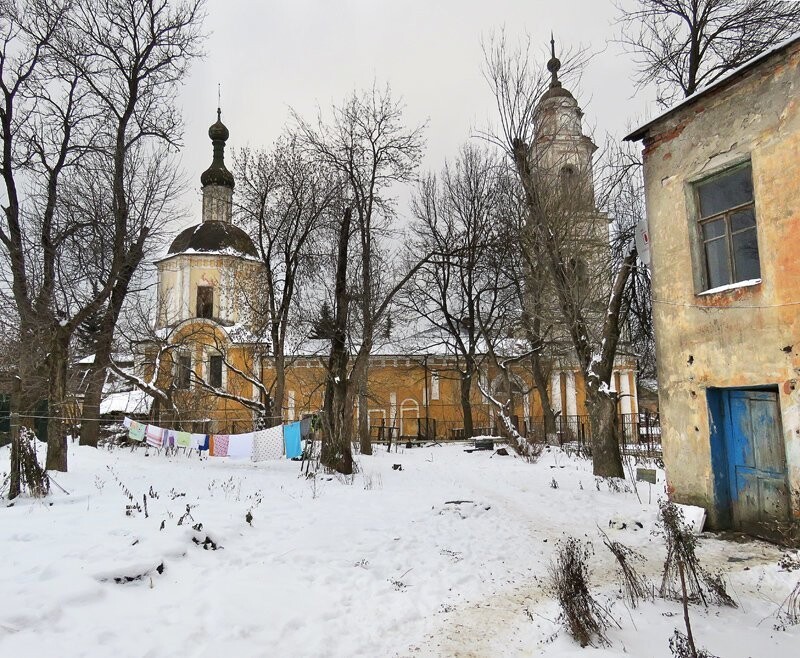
722, 174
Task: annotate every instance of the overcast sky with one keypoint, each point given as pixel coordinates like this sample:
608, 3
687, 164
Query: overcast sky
270, 55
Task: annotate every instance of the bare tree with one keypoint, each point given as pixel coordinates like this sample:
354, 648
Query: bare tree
562, 220
87, 94
623, 199
284, 199
152, 186
133, 54
367, 144
46, 130
527, 274
682, 45
460, 292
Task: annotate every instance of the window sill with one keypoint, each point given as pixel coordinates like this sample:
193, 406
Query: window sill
731, 286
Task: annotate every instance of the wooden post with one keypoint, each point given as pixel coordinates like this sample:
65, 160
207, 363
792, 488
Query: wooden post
15, 483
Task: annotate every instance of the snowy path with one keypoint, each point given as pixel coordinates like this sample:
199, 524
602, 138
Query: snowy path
500, 623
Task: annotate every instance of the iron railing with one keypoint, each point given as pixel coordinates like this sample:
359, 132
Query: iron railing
638, 433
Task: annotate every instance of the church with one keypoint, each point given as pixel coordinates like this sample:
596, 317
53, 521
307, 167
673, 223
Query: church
219, 372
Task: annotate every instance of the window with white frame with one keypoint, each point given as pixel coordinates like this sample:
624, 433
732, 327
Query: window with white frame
434, 385
727, 227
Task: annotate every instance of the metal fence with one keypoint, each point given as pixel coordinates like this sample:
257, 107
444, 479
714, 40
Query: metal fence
639, 433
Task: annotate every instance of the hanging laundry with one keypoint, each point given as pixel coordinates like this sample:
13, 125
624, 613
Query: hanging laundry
183, 440
154, 435
268, 444
170, 438
136, 431
199, 442
305, 427
219, 447
291, 439
240, 446
126, 423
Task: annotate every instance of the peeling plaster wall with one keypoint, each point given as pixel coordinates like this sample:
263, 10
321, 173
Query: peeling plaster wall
748, 336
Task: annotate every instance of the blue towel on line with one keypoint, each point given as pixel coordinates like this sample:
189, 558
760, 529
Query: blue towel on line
291, 439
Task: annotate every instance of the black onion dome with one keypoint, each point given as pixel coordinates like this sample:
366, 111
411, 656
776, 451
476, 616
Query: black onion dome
214, 237
219, 130
217, 176
217, 173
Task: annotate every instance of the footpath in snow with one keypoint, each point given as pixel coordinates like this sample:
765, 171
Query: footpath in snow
381, 564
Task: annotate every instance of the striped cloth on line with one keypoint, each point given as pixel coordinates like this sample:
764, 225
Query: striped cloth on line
154, 436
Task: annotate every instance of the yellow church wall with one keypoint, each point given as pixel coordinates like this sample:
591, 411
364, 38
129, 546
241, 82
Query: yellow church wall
232, 279
396, 392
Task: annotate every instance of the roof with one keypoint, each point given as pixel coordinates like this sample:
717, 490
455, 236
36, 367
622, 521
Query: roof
213, 237
117, 357
726, 80
129, 402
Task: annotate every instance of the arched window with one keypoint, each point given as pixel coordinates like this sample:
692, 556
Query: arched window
409, 416
567, 176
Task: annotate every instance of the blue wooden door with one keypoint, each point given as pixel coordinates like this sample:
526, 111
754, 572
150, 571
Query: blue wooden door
756, 461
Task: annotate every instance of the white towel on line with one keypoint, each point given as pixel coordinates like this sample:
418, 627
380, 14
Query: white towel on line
240, 446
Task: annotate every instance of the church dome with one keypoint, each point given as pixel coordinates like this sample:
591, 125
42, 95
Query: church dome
217, 173
554, 66
556, 92
214, 237
219, 130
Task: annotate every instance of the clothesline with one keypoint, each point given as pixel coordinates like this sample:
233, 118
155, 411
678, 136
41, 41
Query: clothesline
78, 418
272, 443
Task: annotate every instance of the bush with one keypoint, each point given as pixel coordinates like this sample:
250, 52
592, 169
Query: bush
584, 618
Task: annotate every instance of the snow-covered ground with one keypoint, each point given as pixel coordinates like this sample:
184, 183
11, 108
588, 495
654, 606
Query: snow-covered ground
382, 564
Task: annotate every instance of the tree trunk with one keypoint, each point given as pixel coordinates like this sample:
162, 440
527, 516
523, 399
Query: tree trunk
57, 394
14, 485
90, 424
540, 381
606, 458
363, 416
105, 341
280, 387
466, 404
32, 368
336, 452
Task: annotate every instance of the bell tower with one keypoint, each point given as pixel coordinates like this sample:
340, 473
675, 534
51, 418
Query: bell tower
562, 152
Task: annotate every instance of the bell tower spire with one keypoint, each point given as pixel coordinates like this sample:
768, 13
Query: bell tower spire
554, 64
